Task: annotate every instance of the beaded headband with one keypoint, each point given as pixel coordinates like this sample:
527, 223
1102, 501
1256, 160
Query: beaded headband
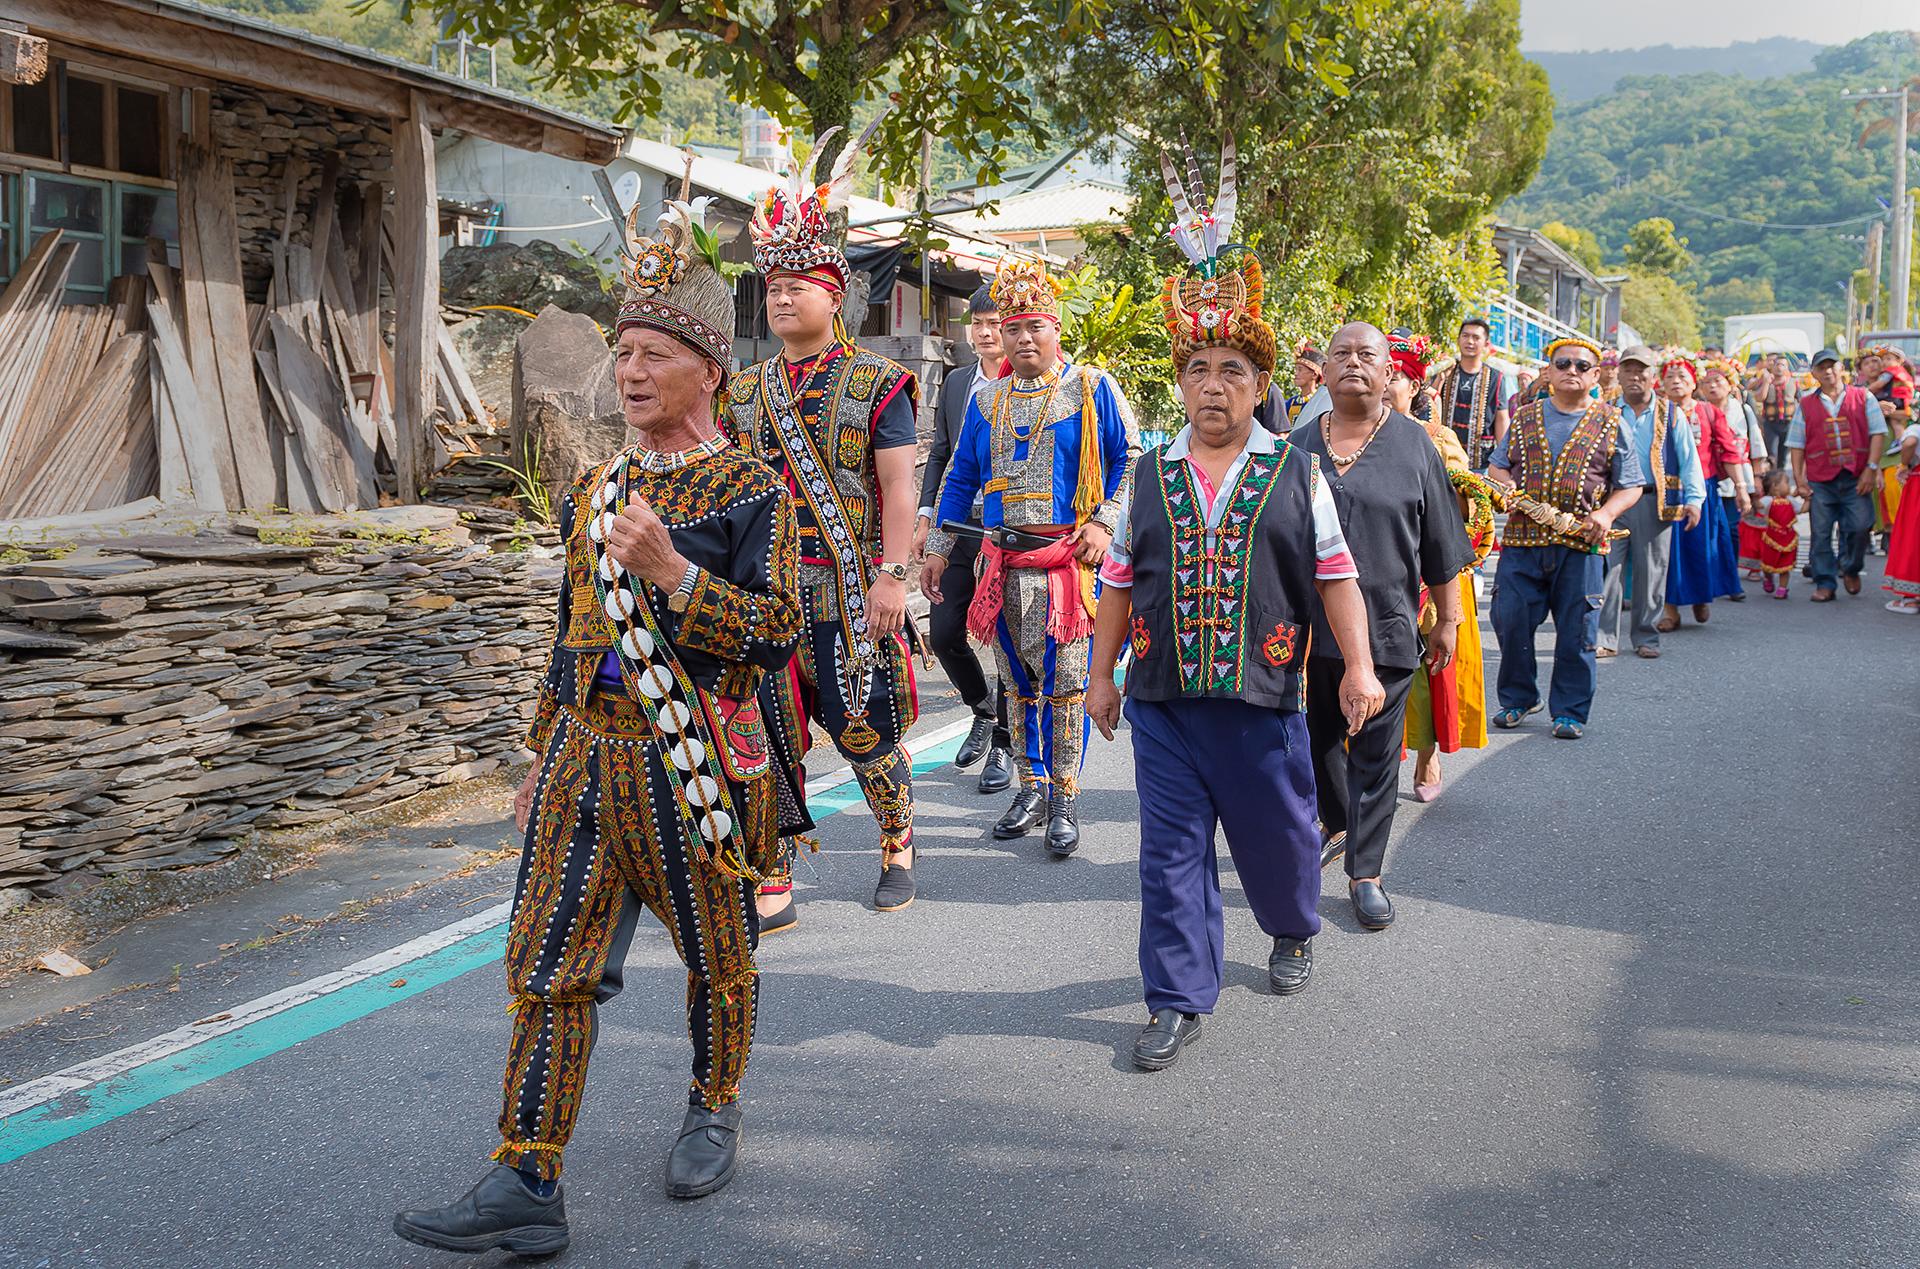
1022, 287
1573, 341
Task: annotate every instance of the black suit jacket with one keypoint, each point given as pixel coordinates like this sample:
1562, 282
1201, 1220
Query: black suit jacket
949, 414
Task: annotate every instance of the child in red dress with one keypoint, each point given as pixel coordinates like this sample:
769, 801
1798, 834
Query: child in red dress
1779, 546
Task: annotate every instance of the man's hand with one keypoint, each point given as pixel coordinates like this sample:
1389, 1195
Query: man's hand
921, 528
641, 544
1361, 696
1103, 704
1869, 481
930, 571
1689, 516
886, 606
1594, 527
1803, 489
1091, 541
1441, 642
523, 797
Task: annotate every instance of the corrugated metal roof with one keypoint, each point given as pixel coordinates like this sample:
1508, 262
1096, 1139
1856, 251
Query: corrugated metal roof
1080, 204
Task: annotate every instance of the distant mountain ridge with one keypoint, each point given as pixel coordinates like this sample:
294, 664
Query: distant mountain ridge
1582, 76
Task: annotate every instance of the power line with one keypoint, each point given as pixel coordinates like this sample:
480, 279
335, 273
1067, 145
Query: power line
1765, 224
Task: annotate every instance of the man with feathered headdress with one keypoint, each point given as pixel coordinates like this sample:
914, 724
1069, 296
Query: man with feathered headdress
1051, 446
838, 422
651, 784
1229, 549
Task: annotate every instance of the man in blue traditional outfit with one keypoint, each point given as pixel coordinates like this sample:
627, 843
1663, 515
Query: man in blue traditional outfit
1052, 447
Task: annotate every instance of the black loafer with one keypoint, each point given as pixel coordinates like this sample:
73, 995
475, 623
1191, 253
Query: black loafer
1333, 848
979, 736
785, 919
1063, 828
997, 775
1029, 806
499, 1212
703, 1158
1159, 1045
1290, 967
1371, 907
895, 890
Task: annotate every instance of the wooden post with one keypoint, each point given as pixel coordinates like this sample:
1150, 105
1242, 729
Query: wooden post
416, 293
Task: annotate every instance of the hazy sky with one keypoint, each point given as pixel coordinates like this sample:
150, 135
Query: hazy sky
1550, 26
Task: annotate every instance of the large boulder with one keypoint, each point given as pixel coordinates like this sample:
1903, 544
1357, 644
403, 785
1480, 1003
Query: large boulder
529, 276
566, 409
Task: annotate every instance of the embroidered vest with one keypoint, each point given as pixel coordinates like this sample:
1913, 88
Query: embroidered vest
1234, 621
1575, 481
1665, 458
1478, 439
1836, 444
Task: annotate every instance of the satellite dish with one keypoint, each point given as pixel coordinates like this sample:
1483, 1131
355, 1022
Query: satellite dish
627, 190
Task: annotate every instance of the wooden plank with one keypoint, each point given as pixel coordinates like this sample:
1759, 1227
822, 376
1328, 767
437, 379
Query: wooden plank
466, 396
196, 342
367, 247
302, 493
198, 436
326, 208
64, 474
292, 171
416, 293
217, 229
318, 416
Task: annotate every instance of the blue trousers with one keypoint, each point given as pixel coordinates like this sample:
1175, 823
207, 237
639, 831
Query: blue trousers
1197, 764
1837, 504
1532, 584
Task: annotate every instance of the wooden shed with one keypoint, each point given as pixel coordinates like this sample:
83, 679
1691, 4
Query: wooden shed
219, 243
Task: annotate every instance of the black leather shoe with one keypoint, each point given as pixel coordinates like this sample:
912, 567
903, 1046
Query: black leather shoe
703, 1158
997, 775
1333, 848
785, 919
1063, 828
1371, 907
1159, 1045
1028, 808
895, 890
978, 738
1290, 967
499, 1212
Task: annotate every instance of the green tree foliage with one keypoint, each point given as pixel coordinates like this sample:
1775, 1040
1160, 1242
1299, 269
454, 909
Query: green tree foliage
1578, 243
1712, 153
1737, 295
1652, 247
1366, 194
1661, 309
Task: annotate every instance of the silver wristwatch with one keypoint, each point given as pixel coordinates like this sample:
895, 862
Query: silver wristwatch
683, 593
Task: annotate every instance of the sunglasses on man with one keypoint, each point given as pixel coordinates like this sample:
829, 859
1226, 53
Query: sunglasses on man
1570, 363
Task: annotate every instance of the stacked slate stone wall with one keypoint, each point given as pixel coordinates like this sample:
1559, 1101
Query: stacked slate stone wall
162, 695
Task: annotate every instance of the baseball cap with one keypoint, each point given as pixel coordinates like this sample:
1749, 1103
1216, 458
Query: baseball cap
1825, 354
1640, 353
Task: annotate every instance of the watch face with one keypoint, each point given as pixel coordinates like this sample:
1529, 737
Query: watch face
677, 602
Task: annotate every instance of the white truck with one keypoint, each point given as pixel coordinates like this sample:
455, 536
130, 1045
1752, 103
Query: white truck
1750, 336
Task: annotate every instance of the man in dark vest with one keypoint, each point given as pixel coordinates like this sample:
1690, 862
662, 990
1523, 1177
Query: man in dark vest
839, 424
1574, 469
947, 622
1231, 548
1835, 441
1473, 395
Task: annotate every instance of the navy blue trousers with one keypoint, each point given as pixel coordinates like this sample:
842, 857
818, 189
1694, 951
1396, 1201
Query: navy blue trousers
1204, 763
1532, 584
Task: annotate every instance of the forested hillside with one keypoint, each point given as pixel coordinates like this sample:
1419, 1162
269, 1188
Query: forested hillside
1576, 77
1715, 153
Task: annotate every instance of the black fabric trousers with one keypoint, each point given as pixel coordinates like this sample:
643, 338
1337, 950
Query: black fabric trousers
947, 632
1356, 778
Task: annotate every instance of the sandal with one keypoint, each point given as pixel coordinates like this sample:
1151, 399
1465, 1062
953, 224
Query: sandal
1508, 719
1567, 729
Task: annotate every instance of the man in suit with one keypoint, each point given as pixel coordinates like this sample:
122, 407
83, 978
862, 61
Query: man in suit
949, 616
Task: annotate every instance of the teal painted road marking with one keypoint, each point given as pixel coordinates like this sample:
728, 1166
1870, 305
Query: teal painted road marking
75, 1112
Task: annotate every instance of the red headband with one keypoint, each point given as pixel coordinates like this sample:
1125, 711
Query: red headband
1409, 356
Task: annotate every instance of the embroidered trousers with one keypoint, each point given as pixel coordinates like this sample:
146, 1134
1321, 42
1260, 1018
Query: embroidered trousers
866, 720
604, 841
1047, 681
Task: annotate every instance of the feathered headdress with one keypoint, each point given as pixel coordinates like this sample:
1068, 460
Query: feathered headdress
674, 281
1022, 287
789, 226
1216, 306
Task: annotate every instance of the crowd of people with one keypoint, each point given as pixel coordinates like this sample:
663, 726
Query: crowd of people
1288, 588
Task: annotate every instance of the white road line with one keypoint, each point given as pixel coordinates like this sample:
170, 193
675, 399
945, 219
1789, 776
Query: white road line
46, 1088
180, 1039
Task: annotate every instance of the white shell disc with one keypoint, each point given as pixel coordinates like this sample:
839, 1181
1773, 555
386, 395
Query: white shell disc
637, 644
674, 718
606, 523
619, 605
608, 493
688, 753
595, 532
715, 825
610, 569
655, 682
702, 791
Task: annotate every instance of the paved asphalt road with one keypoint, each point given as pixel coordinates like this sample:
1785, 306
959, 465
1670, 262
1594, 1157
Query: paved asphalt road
1651, 1000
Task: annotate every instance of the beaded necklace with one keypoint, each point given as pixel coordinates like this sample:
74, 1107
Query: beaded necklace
1003, 405
1326, 436
656, 462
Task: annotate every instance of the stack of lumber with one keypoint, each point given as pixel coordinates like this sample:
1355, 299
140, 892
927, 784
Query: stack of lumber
181, 389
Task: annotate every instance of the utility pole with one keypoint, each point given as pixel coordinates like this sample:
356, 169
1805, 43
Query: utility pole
1901, 225
1870, 302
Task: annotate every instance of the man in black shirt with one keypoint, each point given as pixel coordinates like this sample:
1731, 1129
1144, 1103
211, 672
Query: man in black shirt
1403, 527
